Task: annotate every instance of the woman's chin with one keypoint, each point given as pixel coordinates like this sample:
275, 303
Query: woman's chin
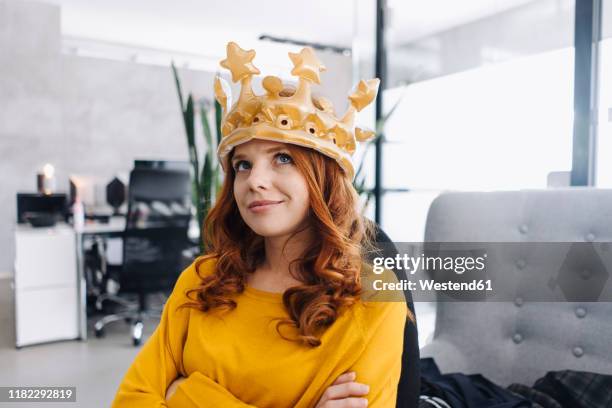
269, 231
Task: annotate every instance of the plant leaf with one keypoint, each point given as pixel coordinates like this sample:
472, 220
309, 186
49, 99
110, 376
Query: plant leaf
218, 119
368, 144
207, 131
190, 131
178, 86
207, 184
380, 124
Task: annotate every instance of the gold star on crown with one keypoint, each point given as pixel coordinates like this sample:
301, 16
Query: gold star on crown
289, 116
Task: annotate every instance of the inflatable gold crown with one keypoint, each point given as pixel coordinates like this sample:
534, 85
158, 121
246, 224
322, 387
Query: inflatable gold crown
286, 115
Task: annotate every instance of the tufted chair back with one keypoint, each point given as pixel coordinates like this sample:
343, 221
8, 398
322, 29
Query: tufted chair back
519, 341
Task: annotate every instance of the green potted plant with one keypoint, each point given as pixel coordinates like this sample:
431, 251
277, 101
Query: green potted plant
205, 173
360, 176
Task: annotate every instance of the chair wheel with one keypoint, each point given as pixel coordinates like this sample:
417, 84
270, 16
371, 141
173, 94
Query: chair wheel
99, 333
137, 328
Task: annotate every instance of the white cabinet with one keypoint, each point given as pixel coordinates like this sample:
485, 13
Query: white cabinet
46, 285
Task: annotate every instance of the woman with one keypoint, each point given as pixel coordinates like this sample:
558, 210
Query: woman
277, 313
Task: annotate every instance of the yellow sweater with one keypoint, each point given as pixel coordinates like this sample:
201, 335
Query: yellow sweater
239, 360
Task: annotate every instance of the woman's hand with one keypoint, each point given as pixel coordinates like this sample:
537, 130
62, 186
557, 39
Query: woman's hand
342, 393
173, 386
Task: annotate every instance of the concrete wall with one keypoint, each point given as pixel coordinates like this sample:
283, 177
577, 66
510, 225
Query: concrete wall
84, 115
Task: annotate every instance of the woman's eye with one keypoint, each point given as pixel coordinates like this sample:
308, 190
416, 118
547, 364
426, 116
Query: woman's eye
285, 158
237, 165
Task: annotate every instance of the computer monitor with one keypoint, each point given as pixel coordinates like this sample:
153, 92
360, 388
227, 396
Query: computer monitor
162, 164
39, 203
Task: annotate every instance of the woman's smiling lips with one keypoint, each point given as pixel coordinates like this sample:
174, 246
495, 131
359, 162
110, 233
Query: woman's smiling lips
260, 206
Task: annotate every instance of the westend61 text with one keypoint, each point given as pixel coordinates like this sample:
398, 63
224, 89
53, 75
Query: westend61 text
430, 284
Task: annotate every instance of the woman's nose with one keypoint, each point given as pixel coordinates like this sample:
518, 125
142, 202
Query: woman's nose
259, 176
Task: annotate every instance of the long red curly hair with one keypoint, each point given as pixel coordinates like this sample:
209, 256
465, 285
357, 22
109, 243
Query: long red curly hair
329, 269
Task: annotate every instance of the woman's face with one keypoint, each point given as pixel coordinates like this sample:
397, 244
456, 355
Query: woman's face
265, 172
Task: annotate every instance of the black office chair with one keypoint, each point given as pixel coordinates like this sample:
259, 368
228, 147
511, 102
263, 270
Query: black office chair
156, 247
410, 379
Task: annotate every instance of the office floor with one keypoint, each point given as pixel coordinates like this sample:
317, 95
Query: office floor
96, 366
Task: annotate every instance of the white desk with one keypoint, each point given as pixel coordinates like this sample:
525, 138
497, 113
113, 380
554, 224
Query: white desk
45, 285
49, 281
116, 224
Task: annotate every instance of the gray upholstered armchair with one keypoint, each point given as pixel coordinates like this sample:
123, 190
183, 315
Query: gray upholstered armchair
520, 341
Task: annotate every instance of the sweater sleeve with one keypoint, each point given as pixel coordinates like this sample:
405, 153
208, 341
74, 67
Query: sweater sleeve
159, 362
383, 318
199, 390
